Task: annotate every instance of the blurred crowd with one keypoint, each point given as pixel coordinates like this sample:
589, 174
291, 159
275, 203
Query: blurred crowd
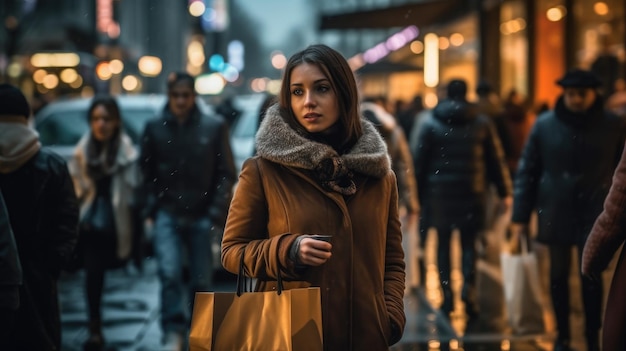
458, 166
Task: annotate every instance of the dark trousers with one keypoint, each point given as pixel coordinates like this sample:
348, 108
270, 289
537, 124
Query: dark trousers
7, 329
560, 265
94, 287
468, 268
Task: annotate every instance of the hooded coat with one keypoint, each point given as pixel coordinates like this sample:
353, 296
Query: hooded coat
280, 197
457, 155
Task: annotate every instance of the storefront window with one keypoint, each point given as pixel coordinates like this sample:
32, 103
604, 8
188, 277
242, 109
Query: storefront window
599, 38
513, 48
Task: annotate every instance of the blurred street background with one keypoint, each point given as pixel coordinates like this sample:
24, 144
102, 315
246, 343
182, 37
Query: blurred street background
61, 53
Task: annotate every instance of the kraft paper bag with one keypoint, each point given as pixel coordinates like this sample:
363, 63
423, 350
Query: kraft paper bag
257, 321
522, 292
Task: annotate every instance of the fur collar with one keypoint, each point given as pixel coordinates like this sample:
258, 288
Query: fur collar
277, 142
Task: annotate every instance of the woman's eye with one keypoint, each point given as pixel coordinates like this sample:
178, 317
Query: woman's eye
323, 88
297, 92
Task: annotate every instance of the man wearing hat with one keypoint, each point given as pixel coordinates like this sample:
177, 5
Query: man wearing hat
564, 175
43, 214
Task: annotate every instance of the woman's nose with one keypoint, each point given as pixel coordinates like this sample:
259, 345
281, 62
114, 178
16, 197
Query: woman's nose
308, 99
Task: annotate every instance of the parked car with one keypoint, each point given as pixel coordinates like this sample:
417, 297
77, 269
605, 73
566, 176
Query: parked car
62, 123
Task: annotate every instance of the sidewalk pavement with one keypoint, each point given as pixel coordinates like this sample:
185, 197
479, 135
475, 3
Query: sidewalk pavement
131, 312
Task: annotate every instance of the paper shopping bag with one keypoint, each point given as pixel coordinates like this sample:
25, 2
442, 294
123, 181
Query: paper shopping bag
257, 321
522, 292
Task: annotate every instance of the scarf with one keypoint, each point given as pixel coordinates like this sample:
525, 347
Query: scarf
18, 143
276, 141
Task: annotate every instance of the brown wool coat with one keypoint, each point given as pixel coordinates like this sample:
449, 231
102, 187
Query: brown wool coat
607, 234
362, 284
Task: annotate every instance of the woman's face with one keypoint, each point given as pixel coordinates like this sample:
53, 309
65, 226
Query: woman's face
103, 124
313, 101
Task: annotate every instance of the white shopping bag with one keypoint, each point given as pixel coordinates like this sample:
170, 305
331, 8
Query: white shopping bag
522, 291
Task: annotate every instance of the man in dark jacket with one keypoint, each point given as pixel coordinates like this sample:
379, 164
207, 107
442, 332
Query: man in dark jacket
189, 172
43, 213
565, 174
457, 156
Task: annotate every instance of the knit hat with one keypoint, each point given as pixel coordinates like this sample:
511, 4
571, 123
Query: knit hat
13, 102
578, 78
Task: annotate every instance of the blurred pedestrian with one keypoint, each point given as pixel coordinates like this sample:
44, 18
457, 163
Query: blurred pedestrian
490, 105
322, 169
402, 165
565, 174
616, 102
228, 111
407, 116
105, 176
188, 175
607, 235
43, 213
458, 155
517, 123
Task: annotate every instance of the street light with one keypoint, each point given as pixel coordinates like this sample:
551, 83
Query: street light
150, 66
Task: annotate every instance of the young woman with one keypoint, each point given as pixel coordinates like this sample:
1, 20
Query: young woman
322, 169
104, 174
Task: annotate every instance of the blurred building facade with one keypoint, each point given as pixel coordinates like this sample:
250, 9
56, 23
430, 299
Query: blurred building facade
109, 37
399, 48
514, 44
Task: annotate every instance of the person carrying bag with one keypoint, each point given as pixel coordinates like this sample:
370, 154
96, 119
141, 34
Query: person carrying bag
257, 321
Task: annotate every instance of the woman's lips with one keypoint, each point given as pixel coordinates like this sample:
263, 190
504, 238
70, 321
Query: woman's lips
312, 116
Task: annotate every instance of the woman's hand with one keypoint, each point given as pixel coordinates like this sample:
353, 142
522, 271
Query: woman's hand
313, 252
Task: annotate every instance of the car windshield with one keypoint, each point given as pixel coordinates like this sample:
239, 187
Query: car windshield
66, 128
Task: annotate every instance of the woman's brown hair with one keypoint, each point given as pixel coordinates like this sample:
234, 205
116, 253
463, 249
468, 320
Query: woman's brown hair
336, 69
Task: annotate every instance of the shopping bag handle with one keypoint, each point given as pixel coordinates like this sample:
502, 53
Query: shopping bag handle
241, 277
524, 243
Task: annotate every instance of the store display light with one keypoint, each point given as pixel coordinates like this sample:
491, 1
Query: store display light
431, 60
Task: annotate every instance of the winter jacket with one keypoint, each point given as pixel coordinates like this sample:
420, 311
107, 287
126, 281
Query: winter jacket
10, 267
565, 171
123, 183
279, 197
188, 168
43, 211
457, 155
607, 235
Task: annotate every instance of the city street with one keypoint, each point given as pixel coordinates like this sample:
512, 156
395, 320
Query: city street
131, 310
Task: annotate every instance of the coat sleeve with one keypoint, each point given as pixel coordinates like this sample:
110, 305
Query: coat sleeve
420, 147
497, 169
527, 179
394, 267
64, 230
146, 195
224, 177
246, 228
609, 229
